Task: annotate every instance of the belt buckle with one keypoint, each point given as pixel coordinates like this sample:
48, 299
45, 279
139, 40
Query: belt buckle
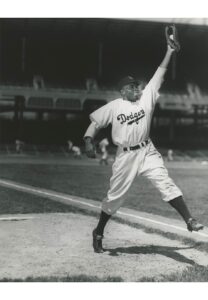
126, 149
139, 146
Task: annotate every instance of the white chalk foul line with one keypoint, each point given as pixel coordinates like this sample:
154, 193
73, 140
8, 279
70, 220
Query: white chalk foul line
38, 191
160, 223
15, 218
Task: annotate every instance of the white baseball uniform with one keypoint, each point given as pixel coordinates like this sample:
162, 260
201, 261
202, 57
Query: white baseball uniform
131, 127
76, 150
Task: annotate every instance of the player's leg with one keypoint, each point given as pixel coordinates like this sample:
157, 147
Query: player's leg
156, 172
124, 170
98, 232
179, 204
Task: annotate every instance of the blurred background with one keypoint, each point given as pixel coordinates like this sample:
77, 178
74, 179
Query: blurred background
55, 71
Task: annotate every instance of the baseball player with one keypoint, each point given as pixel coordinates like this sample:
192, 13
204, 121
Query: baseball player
19, 146
130, 116
170, 155
75, 149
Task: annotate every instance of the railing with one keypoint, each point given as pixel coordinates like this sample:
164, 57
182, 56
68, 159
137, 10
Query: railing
75, 99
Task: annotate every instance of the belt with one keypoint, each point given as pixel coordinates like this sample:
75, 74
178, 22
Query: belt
140, 145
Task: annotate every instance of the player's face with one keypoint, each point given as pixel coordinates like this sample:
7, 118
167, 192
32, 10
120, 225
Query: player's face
132, 92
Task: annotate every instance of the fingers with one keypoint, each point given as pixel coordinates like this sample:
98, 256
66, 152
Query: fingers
170, 48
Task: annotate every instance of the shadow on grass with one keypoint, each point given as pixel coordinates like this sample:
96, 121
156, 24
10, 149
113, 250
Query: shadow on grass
170, 252
190, 274
80, 278
201, 246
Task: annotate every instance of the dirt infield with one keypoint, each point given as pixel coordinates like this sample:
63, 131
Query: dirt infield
60, 245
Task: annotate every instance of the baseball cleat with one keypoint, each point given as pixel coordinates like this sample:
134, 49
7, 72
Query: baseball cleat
193, 225
97, 242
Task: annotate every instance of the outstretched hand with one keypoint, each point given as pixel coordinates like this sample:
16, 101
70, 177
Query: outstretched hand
171, 34
170, 49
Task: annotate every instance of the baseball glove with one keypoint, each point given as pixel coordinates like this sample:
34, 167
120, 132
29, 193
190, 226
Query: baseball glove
172, 37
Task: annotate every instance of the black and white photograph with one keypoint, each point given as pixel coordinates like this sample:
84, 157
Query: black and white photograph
103, 149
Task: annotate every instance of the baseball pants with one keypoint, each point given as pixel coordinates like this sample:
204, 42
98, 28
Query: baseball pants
146, 161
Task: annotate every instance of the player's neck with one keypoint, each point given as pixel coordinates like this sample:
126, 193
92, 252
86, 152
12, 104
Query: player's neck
131, 101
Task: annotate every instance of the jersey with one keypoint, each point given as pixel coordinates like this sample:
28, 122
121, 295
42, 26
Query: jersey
130, 120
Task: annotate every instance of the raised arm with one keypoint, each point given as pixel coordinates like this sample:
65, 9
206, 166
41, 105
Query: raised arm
172, 46
158, 77
165, 62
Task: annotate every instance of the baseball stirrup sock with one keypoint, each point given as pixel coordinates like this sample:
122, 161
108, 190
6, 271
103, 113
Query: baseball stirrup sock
102, 222
181, 207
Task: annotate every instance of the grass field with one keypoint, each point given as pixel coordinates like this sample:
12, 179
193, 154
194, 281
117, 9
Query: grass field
93, 182
13, 202
192, 274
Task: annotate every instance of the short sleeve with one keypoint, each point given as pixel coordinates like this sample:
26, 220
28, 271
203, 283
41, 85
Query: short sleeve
103, 116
